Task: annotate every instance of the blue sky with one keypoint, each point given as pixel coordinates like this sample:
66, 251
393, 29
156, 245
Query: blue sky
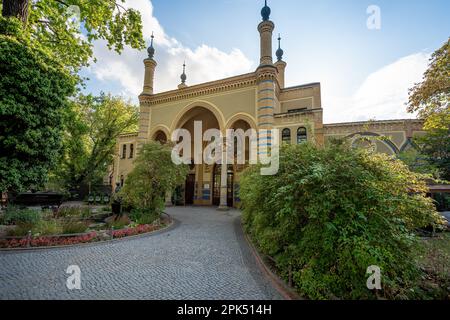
365, 74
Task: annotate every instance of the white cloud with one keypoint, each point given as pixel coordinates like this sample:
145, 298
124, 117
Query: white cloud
204, 63
382, 95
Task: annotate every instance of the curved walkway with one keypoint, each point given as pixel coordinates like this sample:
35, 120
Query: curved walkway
203, 257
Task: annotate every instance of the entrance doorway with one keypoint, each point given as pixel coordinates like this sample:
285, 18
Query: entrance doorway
217, 182
189, 190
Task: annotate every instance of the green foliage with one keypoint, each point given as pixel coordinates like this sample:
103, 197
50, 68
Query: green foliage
119, 224
418, 162
81, 212
334, 211
49, 27
21, 230
73, 227
154, 175
33, 96
431, 97
47, 228
93, 125
143, 217
435, 146
15, 215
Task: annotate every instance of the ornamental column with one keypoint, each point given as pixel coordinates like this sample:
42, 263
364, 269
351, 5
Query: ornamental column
224, 179
267, 75
144, 112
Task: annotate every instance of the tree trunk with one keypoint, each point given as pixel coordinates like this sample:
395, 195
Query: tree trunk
16, 8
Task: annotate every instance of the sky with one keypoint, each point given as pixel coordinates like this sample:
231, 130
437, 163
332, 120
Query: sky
365, 73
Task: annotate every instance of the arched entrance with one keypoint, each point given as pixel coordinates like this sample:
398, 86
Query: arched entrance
217, 179
199, 183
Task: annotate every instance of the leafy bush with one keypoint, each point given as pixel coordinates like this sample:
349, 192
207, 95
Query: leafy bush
332, 212
143, 217
21, 230
154, 175
47, 228
73, 227
83, 212
15, 215
120, 223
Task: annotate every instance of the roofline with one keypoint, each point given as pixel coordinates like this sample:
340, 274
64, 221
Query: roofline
371, 121
302, 86
200, 85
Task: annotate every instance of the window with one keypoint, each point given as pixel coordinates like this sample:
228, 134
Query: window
131, 151
302, 135
124, 151
122, 181
286, 135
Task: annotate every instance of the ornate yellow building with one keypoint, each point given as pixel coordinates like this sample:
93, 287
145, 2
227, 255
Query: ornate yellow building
257, 100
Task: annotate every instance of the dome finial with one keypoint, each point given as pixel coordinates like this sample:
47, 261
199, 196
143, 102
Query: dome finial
183, 76
151, 50
265, 12
280, 51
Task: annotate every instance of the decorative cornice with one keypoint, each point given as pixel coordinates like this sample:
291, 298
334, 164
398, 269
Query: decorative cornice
228, 84
128, 135
266, 26
381, 125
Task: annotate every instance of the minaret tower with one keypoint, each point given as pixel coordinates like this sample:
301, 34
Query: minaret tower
150, 66
144, 114
267, 77
280, 64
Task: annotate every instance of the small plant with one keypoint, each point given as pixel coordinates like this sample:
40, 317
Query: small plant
143, 216
120, 223
14, 215
82, 212
47, 228
21, 230
73, 227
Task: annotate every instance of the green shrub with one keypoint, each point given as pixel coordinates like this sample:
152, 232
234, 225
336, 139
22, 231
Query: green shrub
154, 175
143, 217
332, 212
21, 230
15, 215
82, 212
72, 227
47, 228
118, 224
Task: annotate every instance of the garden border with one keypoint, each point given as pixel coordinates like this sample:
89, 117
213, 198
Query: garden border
174, 224
278, 283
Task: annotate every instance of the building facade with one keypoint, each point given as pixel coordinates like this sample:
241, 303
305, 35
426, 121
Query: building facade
258, 100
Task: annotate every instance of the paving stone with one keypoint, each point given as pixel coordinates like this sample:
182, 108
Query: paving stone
204, 257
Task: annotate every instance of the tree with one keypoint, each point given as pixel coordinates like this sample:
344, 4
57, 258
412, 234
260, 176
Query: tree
50, 27
333, 212
33, 95
17, 9
154, 175
431, 99
93, 125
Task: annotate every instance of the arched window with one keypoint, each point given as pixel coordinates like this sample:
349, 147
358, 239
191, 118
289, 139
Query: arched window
160, 137
131, 151
124, 151
286, 135
302, 135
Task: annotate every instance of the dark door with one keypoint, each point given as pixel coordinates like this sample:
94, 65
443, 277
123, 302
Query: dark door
217, 183
190, 189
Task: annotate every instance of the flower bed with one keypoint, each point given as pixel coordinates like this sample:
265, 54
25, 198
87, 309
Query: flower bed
127, 232
63, 240
47, 241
